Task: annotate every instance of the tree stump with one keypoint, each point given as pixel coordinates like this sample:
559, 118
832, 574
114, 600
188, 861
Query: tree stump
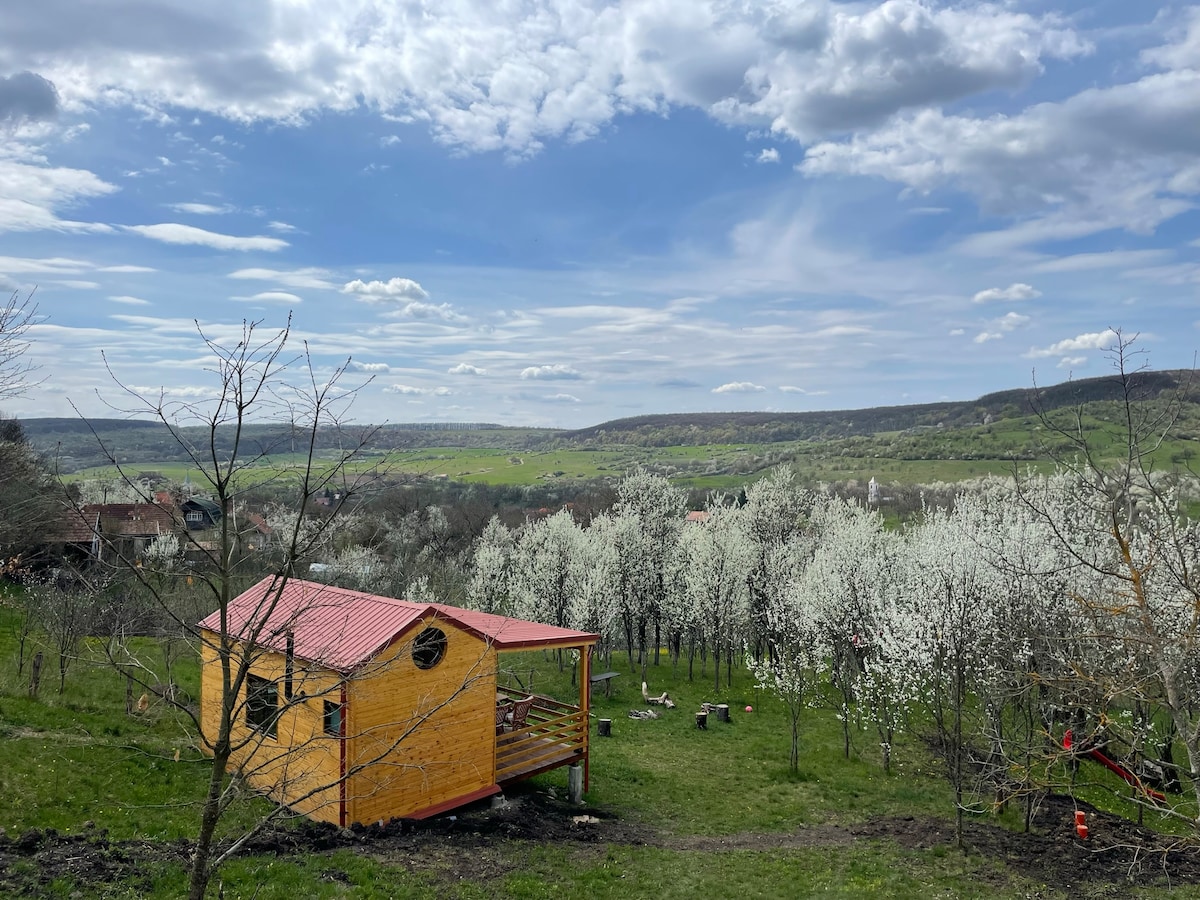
606, 728
702, 721
722, 712
575, 783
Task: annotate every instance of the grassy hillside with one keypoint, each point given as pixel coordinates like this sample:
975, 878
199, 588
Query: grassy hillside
906, 444
678, 812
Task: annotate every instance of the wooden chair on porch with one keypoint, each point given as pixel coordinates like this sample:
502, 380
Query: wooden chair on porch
503, 712
520, 713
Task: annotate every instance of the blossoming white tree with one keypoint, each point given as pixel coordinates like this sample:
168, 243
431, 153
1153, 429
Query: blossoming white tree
715, 558
492, 571
657, 507
796, 646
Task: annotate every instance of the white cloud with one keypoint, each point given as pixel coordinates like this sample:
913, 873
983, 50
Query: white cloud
126, 269
79, 285
998, 328
557, 372
128, 300
416, 310
392, 289
1097, 340
297, 278
1111, 157
1010, 294
271, 297
201, 209
390, 140
52, 265
369, 367
411, 390
32, 195
1070, 362
792, 389
174, 233
562, 398
281, 227
739, 387
493, 77
1012, 321
1112, 259
768, 155
466, 369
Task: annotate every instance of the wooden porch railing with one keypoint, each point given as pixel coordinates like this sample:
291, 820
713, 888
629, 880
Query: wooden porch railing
555, 735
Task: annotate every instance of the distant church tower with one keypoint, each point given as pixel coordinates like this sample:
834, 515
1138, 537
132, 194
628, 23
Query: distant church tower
872, 490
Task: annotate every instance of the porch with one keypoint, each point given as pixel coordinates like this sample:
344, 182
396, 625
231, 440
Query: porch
555, 734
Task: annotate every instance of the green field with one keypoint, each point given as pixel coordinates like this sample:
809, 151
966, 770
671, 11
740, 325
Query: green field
715, 806
922, 456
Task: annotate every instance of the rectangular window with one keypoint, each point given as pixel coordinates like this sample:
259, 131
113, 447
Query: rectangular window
262, 705
333, 718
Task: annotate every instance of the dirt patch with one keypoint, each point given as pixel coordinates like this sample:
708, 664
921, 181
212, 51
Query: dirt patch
478, 845
1117, 853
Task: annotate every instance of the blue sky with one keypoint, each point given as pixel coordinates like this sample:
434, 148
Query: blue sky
558, 212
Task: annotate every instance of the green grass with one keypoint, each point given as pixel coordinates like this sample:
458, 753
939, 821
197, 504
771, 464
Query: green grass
69, 759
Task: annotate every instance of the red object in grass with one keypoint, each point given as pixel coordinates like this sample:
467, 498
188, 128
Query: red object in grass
1082, 831
1116, 767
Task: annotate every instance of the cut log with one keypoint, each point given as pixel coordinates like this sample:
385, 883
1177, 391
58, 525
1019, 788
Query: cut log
722, 712
702, 720
605, 728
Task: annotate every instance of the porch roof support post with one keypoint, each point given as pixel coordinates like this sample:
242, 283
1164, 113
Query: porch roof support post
585, 702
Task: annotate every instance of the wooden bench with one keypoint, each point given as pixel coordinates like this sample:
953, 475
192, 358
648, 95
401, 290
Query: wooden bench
604, 678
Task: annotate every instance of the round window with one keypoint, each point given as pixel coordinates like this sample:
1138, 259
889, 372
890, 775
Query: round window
429, 648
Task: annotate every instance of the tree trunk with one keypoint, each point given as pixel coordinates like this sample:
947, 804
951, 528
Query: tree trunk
717, 669
35, 675
794, 757
201, 870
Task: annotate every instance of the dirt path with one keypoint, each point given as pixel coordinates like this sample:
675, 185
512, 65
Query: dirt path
477, 845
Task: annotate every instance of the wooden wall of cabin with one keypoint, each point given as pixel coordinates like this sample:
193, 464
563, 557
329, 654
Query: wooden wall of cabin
302, 758
435, 727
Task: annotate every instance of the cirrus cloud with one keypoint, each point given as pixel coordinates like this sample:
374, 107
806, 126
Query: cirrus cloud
271, 297
174, 233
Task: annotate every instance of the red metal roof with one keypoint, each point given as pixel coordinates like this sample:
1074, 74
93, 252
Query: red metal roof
342, 629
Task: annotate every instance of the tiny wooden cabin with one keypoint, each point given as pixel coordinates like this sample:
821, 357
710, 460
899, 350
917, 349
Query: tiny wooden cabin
361, 708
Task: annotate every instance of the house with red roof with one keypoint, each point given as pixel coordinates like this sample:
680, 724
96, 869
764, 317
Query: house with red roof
361, 708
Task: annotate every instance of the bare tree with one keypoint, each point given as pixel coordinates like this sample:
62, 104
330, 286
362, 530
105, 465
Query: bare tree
66, 617
16, 319
256, 382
